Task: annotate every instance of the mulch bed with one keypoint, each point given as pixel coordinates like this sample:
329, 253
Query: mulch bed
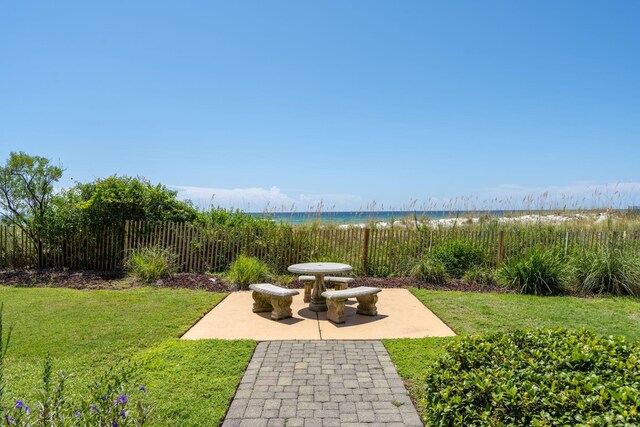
85, 279
88, 279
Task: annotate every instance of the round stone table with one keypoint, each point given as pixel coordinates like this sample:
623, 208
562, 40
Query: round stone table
319, 270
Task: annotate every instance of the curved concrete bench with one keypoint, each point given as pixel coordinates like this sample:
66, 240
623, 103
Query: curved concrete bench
277, 300
338, 282
365, 295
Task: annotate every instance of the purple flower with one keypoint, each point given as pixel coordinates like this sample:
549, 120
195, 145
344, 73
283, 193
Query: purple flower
143, 389
27, 409
9, 419
94, 407
123, 414
19, 404
76, 414
123, 399
114, 423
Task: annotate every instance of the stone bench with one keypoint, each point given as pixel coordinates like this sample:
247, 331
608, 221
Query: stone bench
339, 282
308, 281
277, 300
365, 295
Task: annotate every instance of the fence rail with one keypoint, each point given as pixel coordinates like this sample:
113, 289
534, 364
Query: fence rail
379, 252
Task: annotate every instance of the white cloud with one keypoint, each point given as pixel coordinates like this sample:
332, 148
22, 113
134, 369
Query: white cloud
258, 199
504, 196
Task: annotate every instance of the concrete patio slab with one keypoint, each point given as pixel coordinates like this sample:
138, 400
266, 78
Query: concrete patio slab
233, 319
400, 315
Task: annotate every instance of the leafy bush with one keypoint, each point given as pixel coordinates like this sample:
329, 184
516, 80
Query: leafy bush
151, 264
481, 275
234, 219
430, 270
535, 378
108, 202
458, 256
539, 273
247, 270
608, 270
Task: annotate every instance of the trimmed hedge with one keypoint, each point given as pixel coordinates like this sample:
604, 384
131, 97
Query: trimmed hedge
539, 377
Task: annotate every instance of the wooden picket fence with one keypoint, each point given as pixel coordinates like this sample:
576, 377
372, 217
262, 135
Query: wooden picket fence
379, 252
75, 250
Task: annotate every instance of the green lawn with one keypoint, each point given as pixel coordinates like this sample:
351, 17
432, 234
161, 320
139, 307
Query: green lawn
470, 313
89, 331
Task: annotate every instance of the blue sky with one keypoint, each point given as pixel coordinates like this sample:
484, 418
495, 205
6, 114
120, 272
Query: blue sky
349, 104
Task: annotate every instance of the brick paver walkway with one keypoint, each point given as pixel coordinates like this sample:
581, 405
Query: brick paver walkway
321, 383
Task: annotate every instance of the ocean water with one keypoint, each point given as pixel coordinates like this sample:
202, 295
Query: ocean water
359, 217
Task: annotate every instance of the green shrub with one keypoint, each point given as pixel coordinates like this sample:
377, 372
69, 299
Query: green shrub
607, 270
481, 275
283, 279
458, 256
151, 264
542, 272
535, 378
430, 270
247, 270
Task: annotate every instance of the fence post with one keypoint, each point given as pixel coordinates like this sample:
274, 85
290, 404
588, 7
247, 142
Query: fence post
566, 242
365, 252
500, 247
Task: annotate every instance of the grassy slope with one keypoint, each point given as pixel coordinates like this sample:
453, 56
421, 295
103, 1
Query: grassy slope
475, 313
87, 331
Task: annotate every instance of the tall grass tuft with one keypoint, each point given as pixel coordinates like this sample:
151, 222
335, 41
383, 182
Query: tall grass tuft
247, 270
151, 264
430, 270
608, 270
542, 272
481, 275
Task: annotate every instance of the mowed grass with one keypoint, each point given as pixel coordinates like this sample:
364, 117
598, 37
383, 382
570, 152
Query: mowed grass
190, 383
469, 313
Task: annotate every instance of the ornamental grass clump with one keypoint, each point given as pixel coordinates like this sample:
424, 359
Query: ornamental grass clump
541, 272
481, 275
608, 270
430, 270
151, 264
540, 377
247, 270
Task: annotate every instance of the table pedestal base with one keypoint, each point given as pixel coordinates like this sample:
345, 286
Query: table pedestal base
318, 302
318, 306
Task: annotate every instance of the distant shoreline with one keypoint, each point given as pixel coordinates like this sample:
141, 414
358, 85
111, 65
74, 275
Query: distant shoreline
359, 218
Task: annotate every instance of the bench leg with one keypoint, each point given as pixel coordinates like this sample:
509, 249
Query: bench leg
261, 302
340, 286
281, 307
367, 304
307, 291
336, 310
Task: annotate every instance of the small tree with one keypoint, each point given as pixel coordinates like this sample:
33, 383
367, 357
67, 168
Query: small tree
26, 188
